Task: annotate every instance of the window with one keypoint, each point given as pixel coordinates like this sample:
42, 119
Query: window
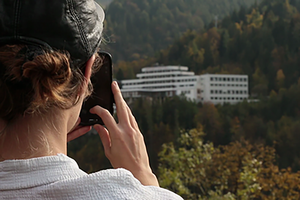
232, 79
220, 91
211, 91
224, 79
228, 91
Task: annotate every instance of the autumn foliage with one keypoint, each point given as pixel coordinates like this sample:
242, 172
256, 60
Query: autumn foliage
198, 170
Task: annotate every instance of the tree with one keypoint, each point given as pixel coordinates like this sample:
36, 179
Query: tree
209, 117
260, 83
197, 170
280, 79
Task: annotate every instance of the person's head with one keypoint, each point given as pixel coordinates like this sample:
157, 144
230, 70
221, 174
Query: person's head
44, 50
47, 53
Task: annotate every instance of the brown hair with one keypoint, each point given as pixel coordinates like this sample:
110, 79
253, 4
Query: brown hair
33, 85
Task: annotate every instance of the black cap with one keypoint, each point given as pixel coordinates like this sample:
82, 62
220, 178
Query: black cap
72, 25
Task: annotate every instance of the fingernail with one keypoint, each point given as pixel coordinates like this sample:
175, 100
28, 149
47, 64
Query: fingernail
116, 84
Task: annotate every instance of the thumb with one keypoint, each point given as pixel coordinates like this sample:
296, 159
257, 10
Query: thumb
105, 138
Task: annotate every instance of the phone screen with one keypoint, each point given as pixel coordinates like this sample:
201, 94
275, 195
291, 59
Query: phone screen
102, 94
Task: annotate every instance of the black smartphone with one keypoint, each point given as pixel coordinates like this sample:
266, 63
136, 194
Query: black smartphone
102, 94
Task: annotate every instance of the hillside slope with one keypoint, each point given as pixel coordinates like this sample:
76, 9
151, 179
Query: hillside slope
139, 28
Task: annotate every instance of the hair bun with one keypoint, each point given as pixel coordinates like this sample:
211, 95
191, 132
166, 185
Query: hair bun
33, 80
49, 74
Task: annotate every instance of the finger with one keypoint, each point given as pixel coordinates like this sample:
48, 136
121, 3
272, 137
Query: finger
120, 104
78, 132
132, 119
104, 136
106, 117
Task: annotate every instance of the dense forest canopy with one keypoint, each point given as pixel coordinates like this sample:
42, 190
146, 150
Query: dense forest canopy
262, 42
139, 28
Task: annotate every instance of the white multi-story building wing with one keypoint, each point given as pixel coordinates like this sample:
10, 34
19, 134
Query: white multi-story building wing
167, 81
163, 81
224, 88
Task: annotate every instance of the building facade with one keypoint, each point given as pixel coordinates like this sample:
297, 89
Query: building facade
168, 81
224, 88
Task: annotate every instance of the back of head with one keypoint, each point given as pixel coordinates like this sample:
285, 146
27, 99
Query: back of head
44, 46
32, 83
70, 25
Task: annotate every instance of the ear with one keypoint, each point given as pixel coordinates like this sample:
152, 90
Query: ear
87, 73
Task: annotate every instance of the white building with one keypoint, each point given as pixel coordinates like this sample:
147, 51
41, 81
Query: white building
224, 88
163, 81
167, 81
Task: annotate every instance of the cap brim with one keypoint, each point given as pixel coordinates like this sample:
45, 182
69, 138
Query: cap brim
100, 12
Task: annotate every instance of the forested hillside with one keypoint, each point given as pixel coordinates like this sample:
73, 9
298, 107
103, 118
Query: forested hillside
262, 42
139, 28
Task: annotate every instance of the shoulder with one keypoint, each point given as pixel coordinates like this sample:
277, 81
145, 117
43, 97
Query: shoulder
112, 184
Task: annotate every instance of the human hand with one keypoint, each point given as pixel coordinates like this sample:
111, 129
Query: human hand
77, 131
123, 142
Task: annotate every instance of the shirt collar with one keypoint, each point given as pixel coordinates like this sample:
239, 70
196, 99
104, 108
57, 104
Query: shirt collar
18, 174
